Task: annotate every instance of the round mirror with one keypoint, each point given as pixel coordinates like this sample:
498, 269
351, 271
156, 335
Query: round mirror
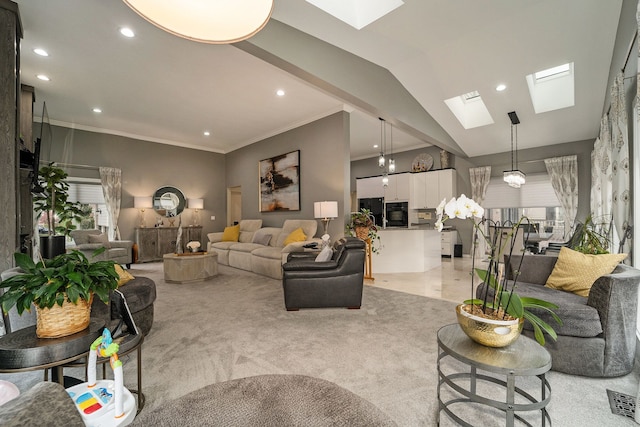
168, 201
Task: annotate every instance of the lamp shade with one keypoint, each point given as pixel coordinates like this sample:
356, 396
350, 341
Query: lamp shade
217, 22
196, 203
325, 209
142, 202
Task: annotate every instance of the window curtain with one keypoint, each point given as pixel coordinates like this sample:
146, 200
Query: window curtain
480, 177
111, 179
563, 173
620, 161
601, 187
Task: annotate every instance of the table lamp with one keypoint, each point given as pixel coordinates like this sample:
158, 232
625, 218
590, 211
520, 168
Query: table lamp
326, 211
196, 205
142, 203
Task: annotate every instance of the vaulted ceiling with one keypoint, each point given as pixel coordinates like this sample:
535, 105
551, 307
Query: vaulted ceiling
166, 89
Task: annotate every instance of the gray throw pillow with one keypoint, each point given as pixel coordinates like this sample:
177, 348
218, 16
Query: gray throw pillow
100, 238
262, 239
325, 254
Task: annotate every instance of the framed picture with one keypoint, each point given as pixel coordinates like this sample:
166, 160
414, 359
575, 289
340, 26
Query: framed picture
280, 183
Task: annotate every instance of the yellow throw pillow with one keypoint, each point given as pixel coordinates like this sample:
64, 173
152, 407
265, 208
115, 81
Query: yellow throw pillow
231, 234
296, 235
576, 272
125, 276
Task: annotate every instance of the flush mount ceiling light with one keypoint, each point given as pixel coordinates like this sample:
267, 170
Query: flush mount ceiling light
217, 22
515, 177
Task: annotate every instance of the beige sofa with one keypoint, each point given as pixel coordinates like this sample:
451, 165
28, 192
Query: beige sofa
262, 259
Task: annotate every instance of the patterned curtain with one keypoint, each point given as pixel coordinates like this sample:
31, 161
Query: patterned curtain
601, 188
563, 173
111, 179
479, 182
620, 160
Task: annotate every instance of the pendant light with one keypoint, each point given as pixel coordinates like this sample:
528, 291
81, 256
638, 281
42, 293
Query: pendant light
392, 162
515, 177
381, 159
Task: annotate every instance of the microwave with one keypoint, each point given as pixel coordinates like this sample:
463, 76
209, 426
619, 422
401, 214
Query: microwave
397, 214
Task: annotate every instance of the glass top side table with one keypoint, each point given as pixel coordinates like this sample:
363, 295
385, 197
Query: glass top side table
523, 358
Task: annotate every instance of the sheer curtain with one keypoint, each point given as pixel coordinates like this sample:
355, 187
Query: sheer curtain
620, 161
480, 178
563, 173
111, 179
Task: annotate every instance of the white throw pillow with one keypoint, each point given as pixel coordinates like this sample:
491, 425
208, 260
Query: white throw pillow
325, 254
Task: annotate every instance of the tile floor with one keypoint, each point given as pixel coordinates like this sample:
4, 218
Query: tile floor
450, 281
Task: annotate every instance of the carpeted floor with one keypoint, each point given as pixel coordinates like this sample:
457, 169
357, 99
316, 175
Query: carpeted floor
236, 326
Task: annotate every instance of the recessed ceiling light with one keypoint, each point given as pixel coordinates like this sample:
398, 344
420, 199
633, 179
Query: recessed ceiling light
127, 32
207, 133
97, 110
280, 92
501, 87
43, 77
41, 52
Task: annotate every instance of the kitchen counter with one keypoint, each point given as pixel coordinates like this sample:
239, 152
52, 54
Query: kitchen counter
407, 250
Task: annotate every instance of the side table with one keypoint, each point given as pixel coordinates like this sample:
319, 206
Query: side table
189, 268
524, 357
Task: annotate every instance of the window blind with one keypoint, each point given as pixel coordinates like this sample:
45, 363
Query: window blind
536, 193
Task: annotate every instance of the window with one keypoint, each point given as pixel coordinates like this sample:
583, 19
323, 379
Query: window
88, 191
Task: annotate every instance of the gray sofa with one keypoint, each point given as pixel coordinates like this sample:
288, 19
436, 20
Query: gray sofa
598, 335
119, 251
334, 283
248, 254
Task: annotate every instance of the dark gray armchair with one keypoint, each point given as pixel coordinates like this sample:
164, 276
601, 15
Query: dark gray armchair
598, 334
334, 283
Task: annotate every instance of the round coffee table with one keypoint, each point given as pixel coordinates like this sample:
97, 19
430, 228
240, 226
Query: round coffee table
189, 268
523, 358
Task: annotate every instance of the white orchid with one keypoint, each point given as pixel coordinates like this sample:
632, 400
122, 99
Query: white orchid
462, 207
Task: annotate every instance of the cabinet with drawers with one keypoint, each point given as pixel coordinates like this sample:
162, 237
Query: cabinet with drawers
153, 243
448, 240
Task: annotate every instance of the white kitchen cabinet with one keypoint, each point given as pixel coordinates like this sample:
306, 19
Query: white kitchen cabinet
398, 188
448, 240
369, 187
429, 188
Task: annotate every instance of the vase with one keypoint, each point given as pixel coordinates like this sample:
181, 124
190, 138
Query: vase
60, 321
445, 159
486, 331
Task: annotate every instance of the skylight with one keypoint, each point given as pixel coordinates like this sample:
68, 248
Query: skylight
470, 110
552, 89
357, 13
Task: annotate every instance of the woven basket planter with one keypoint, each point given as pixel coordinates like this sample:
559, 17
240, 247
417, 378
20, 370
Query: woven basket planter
362, 233
60, 321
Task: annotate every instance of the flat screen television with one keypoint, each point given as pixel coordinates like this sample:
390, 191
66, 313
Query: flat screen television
46, 136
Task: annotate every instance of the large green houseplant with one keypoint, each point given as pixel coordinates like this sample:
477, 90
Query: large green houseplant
505, 304
67, 278
53, 201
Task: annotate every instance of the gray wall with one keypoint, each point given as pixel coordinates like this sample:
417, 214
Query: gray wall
145, 166
324, 170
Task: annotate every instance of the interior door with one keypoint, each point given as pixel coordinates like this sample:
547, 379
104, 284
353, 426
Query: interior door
234, 205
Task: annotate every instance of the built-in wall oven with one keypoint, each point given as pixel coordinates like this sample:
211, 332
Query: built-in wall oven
397, 214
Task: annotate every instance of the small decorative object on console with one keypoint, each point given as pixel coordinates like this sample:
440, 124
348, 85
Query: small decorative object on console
193, 246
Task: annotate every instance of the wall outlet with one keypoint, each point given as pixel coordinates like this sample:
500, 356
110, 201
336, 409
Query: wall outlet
213, 217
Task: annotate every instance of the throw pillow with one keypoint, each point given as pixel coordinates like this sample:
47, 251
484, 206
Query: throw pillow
296, 235
261, 239
325, 254
100, 238
576, 272
231, 234
125, 276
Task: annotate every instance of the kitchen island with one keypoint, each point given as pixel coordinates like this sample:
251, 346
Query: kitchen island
407, 250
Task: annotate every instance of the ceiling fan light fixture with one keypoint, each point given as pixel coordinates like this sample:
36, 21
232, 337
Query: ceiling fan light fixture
216, 22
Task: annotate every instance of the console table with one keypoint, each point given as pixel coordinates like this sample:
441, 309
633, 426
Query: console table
524, 357
154, 242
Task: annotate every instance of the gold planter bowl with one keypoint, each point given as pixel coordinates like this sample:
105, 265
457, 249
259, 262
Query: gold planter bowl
489, 332
57, 321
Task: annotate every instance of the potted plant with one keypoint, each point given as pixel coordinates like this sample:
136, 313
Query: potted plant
506, 311
53, 202
61, 288
362, 226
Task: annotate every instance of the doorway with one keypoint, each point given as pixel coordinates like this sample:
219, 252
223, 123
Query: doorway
234, 205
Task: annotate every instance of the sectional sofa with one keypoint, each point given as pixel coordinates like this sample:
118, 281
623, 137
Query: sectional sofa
262, 250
